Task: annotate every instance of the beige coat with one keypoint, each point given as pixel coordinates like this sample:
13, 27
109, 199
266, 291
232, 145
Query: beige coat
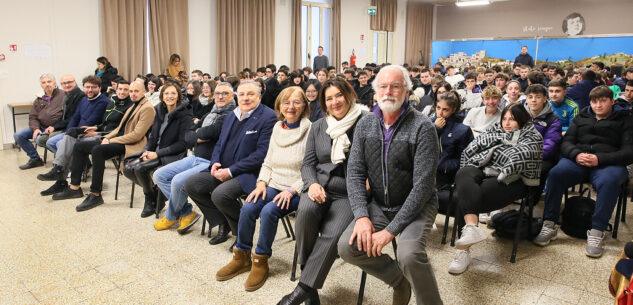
134, 136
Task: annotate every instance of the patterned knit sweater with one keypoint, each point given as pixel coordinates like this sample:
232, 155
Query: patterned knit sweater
282, 166
507, 155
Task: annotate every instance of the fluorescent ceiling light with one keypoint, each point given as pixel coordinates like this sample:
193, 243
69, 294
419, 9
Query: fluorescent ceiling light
472, 3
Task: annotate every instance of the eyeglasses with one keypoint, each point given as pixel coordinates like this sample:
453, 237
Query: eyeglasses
221, 94
312, 91
286, 104
395, 87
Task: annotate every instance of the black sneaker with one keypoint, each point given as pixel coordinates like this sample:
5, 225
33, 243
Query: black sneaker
56, 173
32, 163
90, 202
68, 193
59, 186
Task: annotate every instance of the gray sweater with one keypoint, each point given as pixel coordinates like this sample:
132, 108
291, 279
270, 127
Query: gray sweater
411, 165
320, 62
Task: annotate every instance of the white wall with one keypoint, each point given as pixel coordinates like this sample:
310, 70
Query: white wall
355, 22
202, 35
283, 30
72, 30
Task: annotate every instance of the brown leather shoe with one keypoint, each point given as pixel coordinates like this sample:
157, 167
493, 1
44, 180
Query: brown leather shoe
240, 263
402, 292
259, 273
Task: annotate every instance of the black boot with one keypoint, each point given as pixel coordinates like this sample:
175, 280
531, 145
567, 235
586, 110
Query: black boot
301, 294
59, 186
222, 236
56, 173
150, 206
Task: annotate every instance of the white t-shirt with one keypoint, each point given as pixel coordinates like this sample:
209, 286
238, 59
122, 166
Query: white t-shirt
478, 121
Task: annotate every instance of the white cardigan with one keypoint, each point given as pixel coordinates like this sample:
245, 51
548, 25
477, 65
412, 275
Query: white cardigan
282, 166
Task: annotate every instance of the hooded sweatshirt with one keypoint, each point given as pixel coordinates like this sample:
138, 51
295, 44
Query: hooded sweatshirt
550, 127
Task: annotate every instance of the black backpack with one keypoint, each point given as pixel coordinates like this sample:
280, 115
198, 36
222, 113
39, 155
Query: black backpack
576, 217
505, 224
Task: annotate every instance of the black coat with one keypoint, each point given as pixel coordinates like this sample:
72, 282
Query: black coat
210, 134
114, 114
108, 75
365, 95
199, 110
610, 139
171, 142
524, 59
454, 138
71, 101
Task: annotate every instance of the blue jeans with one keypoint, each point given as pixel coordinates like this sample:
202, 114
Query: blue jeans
52, 142
269, 213
23, 138
171, 181
607, 180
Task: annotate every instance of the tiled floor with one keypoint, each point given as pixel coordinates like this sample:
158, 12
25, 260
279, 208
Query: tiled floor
109, 255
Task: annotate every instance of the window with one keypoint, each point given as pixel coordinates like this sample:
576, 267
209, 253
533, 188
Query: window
316, 29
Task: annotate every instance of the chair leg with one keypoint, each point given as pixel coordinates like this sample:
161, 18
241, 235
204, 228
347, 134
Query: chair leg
456, 224
116, 188
517, 233
159, 196
447, 219
361, 290
204, 224
292, 231
283, 221
616, 224
625, 191
293, 273
132, 196
45, 154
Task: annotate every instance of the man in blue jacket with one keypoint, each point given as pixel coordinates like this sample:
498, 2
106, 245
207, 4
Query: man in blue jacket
580, 92
237, 157
524, 58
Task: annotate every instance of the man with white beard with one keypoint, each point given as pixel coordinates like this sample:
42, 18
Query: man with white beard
395, 154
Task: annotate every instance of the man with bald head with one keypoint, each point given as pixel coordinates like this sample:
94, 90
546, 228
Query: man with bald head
127, 139
71, 100
396, 152
237, 157
45, 112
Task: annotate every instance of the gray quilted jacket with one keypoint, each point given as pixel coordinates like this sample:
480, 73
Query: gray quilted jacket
411, 165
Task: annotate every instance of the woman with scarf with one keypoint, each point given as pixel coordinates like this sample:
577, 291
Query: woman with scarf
496, 167
324, 209
171, 178
203, 103
277, 190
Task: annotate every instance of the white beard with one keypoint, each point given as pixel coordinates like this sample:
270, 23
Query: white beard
389, 107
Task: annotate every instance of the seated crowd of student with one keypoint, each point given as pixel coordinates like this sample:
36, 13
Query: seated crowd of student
343, 151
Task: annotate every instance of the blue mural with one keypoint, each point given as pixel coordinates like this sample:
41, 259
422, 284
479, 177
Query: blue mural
552, 50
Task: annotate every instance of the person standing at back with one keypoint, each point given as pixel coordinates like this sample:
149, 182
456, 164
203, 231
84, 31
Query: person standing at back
320, 61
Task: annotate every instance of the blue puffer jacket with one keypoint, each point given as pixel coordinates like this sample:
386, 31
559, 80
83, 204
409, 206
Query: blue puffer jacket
580, 92
454, 138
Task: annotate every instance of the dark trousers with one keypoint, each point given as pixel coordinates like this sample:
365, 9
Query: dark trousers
607, 180
142, 177
317, 252
100, 153
217, 200
481, 194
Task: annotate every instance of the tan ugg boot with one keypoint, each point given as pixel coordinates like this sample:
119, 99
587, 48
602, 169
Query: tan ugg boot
240, 263
259, 273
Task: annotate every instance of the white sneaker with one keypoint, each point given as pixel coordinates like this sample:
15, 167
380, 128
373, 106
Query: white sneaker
471, 235
460, 262
484, 218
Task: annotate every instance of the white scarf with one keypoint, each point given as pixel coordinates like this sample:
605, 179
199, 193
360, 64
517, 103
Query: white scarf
337, 130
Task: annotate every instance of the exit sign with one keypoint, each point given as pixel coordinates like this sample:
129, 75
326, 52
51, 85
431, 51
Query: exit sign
371, 11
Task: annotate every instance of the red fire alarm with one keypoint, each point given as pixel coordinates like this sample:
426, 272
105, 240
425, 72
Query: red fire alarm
13, 47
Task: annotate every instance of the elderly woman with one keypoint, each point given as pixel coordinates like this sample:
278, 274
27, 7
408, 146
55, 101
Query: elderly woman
277, 190
324, 206
165, 144
171, 178
496, 167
